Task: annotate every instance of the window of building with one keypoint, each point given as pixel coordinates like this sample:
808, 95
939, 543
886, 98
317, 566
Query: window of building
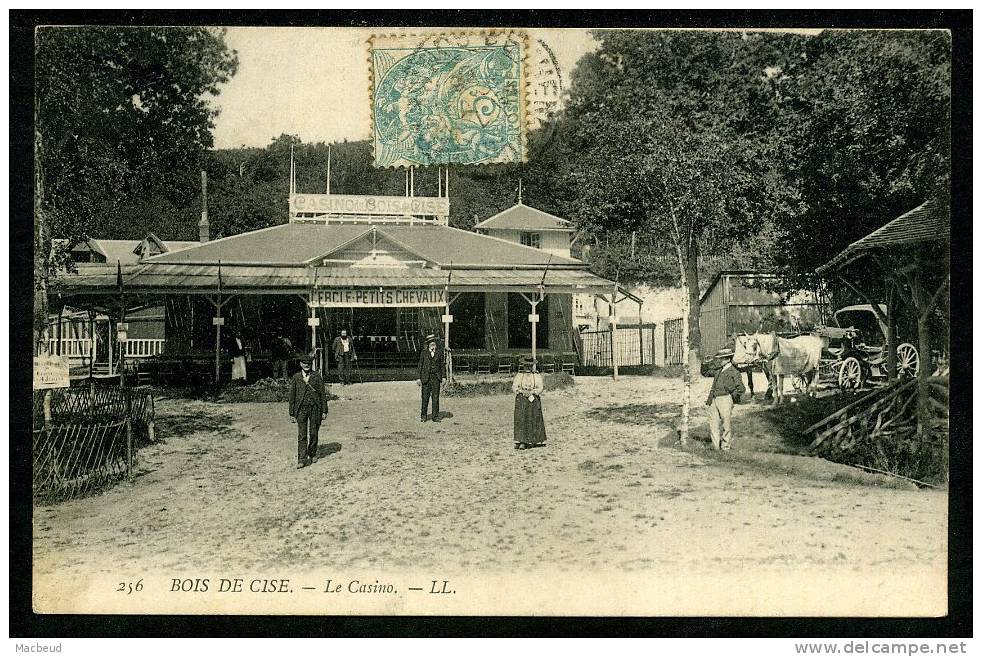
532, 239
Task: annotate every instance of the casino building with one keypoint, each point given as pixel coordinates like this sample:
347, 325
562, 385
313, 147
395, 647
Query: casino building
389, 269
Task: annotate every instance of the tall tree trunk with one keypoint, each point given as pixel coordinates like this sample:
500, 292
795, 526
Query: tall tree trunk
42, 248
692, 291
690, 334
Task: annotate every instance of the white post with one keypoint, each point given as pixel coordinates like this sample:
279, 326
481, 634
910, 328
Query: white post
109, 322
535, 323
328, 168
613, 332
313, 331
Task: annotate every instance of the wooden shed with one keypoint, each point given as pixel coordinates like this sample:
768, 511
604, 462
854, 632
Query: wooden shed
739, 301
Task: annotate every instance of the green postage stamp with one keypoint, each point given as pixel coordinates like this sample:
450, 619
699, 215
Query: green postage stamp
449, 98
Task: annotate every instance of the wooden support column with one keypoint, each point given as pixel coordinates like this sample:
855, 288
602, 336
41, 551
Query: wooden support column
447, 353
314, 321
640, 334
534, 317
92, 345
112, 333
218, 320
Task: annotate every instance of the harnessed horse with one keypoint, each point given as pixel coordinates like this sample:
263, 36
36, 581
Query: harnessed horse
781, 357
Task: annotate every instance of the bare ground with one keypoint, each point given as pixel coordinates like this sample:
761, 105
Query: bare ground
609, 491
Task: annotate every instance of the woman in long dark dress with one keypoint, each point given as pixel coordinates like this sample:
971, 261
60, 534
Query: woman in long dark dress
530, 429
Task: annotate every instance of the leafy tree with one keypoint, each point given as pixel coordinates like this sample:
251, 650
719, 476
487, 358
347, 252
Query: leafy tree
121, 114
865, 120
669, 135
865, 116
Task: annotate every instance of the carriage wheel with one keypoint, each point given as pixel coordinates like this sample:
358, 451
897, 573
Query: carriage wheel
908, 361
851, 374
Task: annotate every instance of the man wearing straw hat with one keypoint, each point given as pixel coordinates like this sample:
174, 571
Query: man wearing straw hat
429, 376
308, 406
726, 390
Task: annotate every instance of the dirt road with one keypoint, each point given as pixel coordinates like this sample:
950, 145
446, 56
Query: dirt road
609, 492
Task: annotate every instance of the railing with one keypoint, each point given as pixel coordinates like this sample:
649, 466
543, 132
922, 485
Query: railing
143, 347
71, 347
635, 346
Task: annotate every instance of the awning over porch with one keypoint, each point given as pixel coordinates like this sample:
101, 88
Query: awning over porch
160, 278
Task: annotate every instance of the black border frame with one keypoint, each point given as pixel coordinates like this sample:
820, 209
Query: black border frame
25, 623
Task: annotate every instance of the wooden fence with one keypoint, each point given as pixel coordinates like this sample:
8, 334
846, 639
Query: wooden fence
674, 349
84, 441
635, 346
881, 431
72, 460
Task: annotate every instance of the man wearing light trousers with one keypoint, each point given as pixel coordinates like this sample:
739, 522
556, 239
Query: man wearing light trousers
726, 390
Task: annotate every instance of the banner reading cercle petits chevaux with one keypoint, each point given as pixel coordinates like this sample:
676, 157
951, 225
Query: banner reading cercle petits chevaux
371, 205
378, 298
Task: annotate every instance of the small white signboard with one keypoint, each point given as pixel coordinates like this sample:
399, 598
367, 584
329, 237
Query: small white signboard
447, 319
534, 317
50, 372
218, 321
313, 321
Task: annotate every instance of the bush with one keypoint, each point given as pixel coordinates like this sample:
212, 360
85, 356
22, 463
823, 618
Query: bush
485, 386
264, 390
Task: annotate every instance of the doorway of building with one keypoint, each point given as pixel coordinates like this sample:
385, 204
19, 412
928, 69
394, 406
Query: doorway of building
519, 327
467, 330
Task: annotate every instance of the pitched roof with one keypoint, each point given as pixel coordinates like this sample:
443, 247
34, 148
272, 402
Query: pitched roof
523, 217
445, 245
300, 243
127, 251
928, 222
283, 244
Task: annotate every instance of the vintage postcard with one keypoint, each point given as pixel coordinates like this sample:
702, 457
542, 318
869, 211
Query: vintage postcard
496, 322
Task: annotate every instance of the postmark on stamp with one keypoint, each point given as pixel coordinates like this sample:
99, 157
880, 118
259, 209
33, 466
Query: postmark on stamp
449, 98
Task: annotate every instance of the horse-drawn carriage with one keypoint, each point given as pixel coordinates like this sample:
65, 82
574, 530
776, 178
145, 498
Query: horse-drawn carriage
848, 355
856, 351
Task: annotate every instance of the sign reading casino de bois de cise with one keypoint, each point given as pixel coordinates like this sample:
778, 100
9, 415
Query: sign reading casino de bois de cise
370, 205
378, 298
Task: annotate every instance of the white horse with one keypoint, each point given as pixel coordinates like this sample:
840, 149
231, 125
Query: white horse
782, 357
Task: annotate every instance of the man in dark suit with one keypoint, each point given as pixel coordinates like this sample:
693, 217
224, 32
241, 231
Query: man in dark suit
308, 405
429, 376
344, 354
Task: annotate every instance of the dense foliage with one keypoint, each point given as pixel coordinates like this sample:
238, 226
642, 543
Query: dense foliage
122, 122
